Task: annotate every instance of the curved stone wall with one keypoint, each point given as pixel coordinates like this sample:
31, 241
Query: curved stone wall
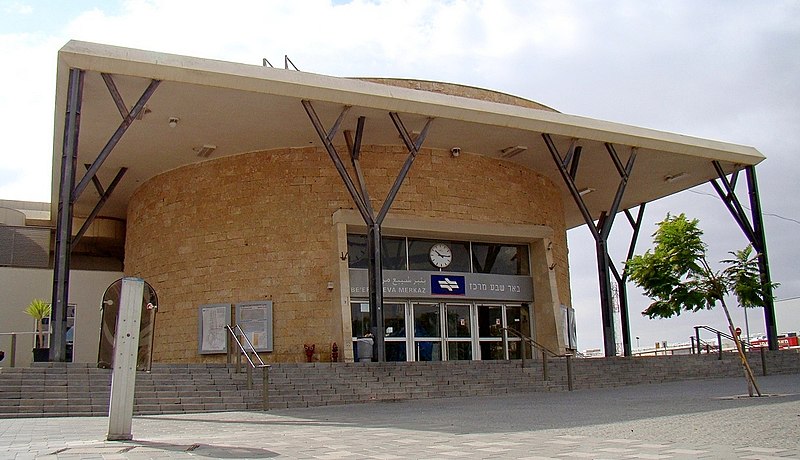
454, 89
258, 226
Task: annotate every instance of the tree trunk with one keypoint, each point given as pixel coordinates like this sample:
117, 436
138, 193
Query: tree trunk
748, 372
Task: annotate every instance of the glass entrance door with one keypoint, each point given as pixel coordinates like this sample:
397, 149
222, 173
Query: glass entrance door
459, 332
494, 340
394, 321
395, 338
427, 332
490, 332
447, 331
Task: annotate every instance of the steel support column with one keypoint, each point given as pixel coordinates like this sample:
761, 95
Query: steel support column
763, 257
754, 232
567, 167
622, 280
63, 236
360, 196
375, 273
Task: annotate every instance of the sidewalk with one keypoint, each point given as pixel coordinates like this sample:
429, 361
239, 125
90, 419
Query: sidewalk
696, 419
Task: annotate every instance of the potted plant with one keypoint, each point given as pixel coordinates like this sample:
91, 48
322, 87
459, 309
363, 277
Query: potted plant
38, 309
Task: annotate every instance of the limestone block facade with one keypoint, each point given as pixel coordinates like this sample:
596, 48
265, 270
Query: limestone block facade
260, 226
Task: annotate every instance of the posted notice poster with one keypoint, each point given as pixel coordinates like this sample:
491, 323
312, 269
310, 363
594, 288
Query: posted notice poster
212, 336
255, 319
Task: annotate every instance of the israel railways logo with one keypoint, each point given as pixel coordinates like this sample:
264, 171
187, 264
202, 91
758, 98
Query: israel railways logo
448, 285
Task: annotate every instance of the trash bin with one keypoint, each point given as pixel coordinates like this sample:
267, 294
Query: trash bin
364, 349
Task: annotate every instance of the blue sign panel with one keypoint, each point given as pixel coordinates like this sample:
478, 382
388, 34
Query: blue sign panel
448, 285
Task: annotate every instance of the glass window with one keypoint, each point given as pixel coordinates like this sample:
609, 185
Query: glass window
515, 349
458, 321
395, 351
359, 314
518, 319
419, 255
357, 251
500, 259
490, 321
459, 351
394, 318
428, 351
492, 351
393, 252
426, 320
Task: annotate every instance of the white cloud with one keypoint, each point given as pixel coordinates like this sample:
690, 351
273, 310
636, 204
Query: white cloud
27, 116
17, 8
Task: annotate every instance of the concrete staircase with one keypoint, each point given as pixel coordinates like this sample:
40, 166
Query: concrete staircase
81, 390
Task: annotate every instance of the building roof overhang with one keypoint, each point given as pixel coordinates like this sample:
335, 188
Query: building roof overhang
241, 108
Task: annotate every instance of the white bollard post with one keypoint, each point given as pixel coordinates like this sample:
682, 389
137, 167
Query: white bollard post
126, 350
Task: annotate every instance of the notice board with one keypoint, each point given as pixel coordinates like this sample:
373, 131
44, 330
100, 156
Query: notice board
255, 319
212, 337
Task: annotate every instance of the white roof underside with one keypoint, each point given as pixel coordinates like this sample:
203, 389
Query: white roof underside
243, 108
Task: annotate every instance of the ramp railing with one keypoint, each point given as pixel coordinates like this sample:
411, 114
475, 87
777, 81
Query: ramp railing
238, 337
546, 352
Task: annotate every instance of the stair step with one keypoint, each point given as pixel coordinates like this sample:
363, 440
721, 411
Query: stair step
48, 389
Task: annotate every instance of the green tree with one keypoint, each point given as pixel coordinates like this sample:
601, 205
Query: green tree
38, 309
678, 277
743, 278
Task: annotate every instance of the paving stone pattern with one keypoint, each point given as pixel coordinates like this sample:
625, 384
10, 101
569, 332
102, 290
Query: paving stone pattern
677, 420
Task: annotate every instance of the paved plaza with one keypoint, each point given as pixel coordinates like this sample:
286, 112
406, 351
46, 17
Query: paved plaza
696, 419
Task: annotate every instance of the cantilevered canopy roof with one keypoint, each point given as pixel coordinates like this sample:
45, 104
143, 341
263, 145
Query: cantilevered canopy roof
243, 108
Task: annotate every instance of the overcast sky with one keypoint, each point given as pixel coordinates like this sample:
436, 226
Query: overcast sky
725, 70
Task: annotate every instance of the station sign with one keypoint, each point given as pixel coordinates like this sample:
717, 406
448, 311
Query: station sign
421, 284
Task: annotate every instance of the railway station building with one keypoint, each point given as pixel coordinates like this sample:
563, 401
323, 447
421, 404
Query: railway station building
315, 210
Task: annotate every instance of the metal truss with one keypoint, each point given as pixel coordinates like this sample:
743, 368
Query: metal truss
568, 167
360, 195
754, 232
69, 193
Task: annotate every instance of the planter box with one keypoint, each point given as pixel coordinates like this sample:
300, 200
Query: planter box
41, 355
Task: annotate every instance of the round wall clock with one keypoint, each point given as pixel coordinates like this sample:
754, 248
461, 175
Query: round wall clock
441, 255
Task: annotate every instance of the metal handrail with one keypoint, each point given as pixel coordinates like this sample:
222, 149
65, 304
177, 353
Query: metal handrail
709, 345
12, 352
242, 348
545, 351
264, 367
720, 334
533, 343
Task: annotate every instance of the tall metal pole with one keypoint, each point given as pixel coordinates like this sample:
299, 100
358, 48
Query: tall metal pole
606, 307
763, 259
625, 319
63, 244
376, 291
636, 224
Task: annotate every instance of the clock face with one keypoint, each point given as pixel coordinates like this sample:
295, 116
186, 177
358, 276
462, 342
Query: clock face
441, 255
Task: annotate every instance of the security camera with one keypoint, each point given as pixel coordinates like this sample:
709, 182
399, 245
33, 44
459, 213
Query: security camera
455, 151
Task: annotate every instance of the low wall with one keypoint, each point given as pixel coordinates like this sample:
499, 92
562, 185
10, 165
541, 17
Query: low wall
619, 371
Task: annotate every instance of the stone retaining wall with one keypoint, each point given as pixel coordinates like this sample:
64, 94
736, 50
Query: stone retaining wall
619, 371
